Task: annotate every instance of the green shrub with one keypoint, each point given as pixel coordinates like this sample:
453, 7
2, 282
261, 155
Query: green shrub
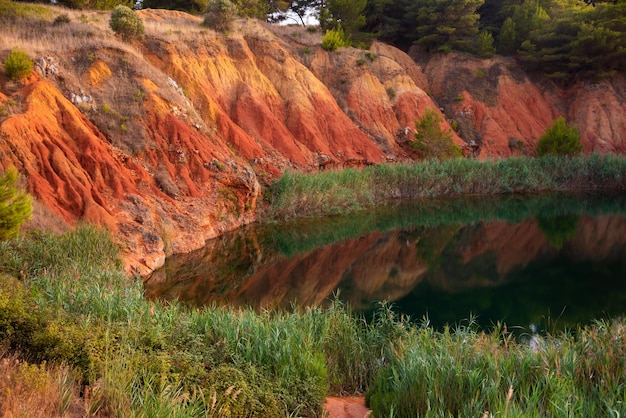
220, 15
18, 65
126, 23
560, 139
334, 39
15, 205
61, 19
431, 141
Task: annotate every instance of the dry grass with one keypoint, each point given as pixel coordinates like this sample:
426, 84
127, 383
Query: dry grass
306, 36
29, 390
35, 33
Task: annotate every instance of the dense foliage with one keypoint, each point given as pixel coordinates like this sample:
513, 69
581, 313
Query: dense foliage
15, 205
220, 14
333, 39
560, 139
432, 141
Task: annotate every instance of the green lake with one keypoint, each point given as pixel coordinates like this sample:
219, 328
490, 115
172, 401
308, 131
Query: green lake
545, 261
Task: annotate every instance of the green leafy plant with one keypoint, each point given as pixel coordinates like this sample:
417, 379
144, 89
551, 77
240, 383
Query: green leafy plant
126, 23
18, 65
560, 139
334, 39
15, 205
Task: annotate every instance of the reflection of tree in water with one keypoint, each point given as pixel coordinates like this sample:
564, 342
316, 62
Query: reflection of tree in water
558, 229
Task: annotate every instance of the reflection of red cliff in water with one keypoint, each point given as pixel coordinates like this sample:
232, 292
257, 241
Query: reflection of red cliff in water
378, 266
375, 266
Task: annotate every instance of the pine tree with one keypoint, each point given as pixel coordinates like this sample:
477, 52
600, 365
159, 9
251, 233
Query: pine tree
444, 25
431, 141
15, 205
560, 139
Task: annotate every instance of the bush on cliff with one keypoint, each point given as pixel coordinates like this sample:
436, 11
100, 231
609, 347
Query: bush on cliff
220, 15
333, 39
560, 139
18, 65
126, 23
431, 141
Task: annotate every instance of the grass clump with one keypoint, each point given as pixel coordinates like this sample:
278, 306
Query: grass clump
333, 192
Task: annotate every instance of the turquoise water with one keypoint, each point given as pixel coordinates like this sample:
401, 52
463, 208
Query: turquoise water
548, 261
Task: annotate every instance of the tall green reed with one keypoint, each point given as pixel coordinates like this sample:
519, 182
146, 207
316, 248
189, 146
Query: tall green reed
332, 192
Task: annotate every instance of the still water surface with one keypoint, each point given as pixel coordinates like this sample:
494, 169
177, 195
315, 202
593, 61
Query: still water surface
554, 261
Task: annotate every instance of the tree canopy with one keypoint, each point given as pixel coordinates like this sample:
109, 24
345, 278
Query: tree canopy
565, 39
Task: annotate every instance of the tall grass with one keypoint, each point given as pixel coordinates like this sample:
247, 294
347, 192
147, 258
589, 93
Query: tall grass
332, 192
464, 373
64, 301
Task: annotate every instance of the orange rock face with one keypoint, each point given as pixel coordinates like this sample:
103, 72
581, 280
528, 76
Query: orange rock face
165, 142
506, 112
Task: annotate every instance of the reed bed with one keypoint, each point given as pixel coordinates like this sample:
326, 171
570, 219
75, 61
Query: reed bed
334, 192
68, 313
464, 373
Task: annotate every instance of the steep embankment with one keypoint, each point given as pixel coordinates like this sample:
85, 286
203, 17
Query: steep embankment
165, 141
504, 111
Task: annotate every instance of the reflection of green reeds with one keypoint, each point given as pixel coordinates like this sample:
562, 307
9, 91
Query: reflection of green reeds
345, 191
73, 305
301, 236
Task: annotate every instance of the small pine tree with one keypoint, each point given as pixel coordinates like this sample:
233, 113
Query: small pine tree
507, 43
431, 141
220, 15
126, 23
484, 44
560, 139
18, 65
15, 205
